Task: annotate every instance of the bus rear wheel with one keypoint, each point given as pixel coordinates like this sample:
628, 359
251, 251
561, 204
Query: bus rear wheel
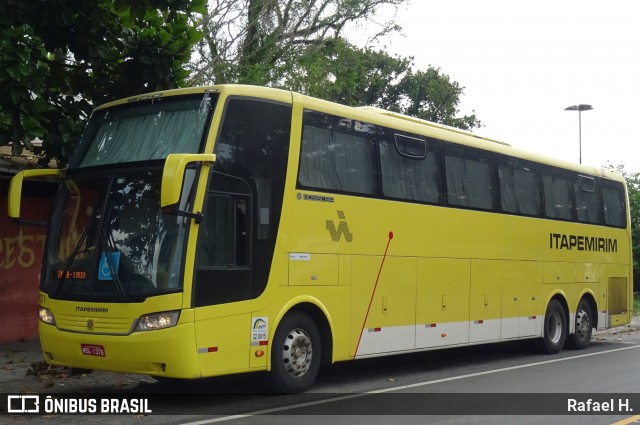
296, 355
555, 328
581, 338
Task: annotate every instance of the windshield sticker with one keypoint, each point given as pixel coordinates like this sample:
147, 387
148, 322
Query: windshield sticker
108, 264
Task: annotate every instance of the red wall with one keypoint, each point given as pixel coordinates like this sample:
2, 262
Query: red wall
20, 265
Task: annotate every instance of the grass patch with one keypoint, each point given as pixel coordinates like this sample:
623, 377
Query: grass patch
636, 304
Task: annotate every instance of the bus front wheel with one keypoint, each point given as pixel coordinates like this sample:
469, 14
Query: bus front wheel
555, 328
296, 355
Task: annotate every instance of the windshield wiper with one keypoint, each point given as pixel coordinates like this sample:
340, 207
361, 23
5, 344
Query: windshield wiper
111, 245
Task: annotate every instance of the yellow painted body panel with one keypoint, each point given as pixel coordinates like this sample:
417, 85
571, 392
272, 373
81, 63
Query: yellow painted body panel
450, 276
228, 336
168, 352
308, 270
393, 302
443, 296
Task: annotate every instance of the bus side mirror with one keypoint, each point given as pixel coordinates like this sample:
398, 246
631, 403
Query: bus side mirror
172, 187
15, 191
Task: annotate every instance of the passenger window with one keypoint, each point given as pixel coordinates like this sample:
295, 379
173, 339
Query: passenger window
558, 196
588, 200
519, 188
410, 168
337, 154
469, 182
614, 204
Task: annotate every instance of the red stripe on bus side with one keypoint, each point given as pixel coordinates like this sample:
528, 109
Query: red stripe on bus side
384, 256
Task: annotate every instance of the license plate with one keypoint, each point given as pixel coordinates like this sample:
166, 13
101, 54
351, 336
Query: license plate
92, 350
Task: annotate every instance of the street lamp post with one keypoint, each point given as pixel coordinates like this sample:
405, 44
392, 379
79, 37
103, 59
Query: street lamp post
581, 107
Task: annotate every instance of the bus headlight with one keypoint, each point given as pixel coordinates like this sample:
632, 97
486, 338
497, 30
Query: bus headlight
46, 316
151, 322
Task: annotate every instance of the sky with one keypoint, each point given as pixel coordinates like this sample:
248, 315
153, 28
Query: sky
522, 62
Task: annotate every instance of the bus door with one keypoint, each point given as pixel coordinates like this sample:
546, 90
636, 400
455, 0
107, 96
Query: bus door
223, 275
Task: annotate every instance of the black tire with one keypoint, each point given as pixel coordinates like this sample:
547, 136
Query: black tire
555, 328
581, 338
296, 355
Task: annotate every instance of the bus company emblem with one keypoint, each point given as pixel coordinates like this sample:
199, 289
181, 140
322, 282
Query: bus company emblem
561, 241
342, 229
90, 324
83, 309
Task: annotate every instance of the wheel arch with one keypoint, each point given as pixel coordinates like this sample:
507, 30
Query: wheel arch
319, 314
561, 297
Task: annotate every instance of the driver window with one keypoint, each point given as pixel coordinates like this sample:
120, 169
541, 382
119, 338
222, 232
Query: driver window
225, 230
224, 240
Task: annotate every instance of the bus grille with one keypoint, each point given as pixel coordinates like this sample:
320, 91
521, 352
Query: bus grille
95, 325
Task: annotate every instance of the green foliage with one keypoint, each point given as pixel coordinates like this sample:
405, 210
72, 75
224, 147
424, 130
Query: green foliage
343, 73
61, 58
299, 45
339, 72
256, 41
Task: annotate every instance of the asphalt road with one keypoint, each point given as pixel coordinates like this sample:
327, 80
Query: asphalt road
492, 384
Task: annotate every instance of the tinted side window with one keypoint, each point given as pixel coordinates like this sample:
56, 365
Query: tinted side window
337, 154
468, 174
558, 194
588, 200
244, 202
410, 167
226, 229
519, 188
614, 204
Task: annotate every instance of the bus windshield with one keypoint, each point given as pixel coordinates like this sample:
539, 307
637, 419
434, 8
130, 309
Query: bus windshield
114, 242
144, 130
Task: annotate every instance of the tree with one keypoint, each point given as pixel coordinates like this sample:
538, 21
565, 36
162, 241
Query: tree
61, 58
299, 45
343, 73
256, 41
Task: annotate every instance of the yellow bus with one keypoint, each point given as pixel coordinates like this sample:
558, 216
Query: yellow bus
229, 229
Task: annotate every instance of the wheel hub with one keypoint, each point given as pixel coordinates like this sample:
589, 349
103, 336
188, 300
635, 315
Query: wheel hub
583, 324
297, 352
554, 329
